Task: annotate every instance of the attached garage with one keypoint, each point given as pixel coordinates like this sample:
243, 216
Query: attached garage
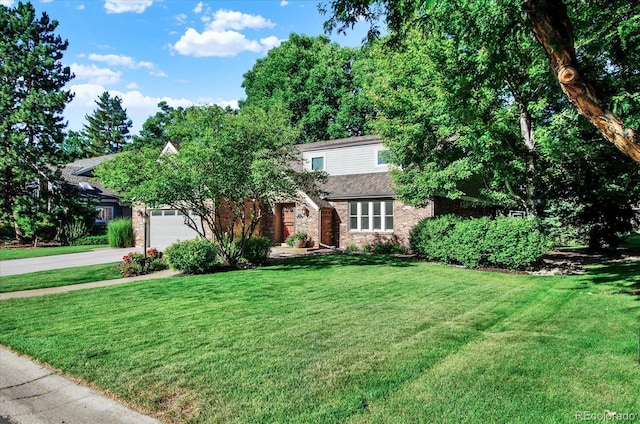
166, 226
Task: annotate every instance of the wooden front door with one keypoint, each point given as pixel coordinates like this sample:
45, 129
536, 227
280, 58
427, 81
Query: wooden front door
288, 211
326, 227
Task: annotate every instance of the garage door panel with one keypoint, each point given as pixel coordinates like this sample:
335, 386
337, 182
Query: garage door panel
167, 227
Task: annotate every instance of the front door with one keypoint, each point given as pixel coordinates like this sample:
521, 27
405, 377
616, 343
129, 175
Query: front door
288, 210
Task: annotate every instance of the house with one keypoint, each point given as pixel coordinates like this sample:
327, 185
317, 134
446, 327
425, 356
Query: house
359, 207
108, 205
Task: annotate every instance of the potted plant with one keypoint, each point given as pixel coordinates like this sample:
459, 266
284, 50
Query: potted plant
298, 240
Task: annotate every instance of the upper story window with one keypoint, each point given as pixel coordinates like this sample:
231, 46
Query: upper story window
382, 157
317, 163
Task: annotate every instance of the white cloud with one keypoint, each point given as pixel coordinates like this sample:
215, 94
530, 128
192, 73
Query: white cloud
124, 6
181, 18
229, 19
8, 3
284, 3
127, 62
95, 75
222, 38
270, 42
80, 7
214, 43
198, 8
46, 1
133, 86
139, 106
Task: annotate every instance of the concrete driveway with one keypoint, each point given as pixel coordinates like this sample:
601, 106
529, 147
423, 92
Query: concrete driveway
95, 257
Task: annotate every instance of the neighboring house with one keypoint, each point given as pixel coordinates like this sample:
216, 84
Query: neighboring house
108, 205
359, 207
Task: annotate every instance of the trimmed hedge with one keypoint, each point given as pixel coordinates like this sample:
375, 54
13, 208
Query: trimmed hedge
197, 256
505, 242
91, 240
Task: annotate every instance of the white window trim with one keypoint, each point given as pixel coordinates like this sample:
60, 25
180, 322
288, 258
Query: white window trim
383, 216
105, 220
375, 158
324, 161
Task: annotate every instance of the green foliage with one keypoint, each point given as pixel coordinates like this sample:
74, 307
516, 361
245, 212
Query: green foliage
291, 240
108, 127
135, 263
92, 240
75, 146
198, 256
72, 232
320, 92
503, 242
352, 248
32, 100
120, 233
256, 250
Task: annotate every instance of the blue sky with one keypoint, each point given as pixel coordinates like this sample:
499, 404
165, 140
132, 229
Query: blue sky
181, 51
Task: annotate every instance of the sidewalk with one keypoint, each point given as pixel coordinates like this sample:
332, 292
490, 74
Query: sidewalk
34, 394
63, 289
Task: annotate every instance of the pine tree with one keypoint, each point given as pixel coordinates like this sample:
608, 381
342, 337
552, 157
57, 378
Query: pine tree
108, 126
32, 100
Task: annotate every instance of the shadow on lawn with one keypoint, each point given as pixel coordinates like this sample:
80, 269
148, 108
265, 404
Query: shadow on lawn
324, 261
624, 275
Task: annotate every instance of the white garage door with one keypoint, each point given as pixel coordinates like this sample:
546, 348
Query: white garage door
166, 226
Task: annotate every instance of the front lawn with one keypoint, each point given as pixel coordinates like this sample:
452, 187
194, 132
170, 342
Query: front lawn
353, 339
59, 277
37, 252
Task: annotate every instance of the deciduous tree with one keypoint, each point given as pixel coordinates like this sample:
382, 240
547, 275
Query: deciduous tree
573, 34
312, 78
230, 171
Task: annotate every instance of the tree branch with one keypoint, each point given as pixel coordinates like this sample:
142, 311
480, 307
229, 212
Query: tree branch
551, 26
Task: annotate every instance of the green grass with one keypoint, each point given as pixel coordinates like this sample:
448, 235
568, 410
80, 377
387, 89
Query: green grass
349, 339
59, 277
24, 253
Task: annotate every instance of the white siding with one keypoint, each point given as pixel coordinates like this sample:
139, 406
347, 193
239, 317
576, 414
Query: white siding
349, 160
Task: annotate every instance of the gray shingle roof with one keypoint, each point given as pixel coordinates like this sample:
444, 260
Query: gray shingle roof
356, 186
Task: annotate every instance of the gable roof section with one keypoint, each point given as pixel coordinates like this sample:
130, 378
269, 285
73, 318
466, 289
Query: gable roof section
341, 142
82, 171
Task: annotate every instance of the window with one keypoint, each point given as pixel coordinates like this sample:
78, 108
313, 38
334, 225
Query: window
371, 216
104, 213
317, 163
382, 157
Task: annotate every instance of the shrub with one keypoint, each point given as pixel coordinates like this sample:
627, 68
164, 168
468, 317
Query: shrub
120, 233
504, 242
134, 263
72, 231
389, 248
197, 256
256, 250
352, 248
91, 240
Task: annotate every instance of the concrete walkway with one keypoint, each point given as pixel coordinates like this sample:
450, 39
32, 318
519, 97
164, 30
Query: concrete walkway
63, 289
95, 257
34, 394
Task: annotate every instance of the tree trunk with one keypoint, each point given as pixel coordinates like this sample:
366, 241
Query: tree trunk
551, 26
